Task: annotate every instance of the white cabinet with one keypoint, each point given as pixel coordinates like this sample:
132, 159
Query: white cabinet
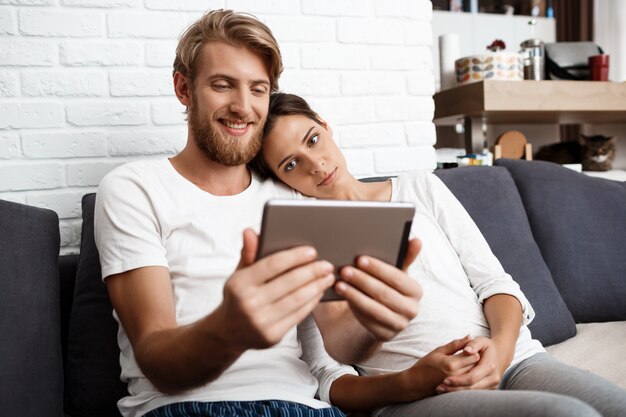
477, 30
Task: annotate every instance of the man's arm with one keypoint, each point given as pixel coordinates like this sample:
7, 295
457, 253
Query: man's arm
381, 301
504, 315
168, 355
262, 302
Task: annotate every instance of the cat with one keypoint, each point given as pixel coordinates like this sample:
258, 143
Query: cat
595, 153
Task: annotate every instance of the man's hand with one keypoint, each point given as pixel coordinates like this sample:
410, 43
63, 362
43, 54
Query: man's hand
382, 297
494, 359
263, 300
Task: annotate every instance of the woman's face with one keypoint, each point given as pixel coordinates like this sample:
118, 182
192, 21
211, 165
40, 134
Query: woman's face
303, 154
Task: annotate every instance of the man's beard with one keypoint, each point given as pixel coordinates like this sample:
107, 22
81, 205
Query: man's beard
224, 150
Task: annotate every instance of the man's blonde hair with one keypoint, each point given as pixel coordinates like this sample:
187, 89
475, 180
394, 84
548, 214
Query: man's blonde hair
237, 29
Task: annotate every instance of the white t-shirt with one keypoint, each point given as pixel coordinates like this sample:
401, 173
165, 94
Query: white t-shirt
457, 272
147, 214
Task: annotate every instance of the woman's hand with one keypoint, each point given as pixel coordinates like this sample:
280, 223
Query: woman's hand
494, 359
422, 379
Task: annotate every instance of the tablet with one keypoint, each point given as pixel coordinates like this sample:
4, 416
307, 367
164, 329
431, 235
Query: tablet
339, 230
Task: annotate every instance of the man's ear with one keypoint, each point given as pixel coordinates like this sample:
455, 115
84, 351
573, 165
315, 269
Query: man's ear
182, 89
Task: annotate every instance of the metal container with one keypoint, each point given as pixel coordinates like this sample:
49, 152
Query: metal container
533, 56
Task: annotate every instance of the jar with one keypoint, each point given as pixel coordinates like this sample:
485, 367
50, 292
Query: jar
533, 56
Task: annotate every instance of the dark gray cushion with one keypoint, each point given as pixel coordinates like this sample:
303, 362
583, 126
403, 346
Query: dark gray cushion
579, 223
490, 197
31, 376
92, 371
67, 277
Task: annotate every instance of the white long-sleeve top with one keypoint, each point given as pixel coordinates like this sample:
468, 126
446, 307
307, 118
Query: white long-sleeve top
457, 271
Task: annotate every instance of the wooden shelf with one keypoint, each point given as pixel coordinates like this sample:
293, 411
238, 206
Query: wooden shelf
532, 102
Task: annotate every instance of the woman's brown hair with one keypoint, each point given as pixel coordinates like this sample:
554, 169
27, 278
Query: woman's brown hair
281, 104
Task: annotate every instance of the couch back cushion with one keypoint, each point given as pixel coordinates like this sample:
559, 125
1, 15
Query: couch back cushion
491, 198
92, 369
579, 223
31, 382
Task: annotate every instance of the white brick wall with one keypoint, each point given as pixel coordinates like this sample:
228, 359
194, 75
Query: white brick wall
85, 86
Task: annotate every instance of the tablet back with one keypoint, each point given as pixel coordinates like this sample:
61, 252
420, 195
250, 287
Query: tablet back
339, 230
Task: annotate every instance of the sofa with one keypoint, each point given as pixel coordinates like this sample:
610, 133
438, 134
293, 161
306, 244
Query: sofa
561, 235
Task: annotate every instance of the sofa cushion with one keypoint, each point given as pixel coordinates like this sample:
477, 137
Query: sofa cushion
490, 197
583, 350
31, 381
92, 371
579, 223
67, 277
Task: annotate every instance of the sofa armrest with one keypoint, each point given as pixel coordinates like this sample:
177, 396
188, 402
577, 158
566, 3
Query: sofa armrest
30, 352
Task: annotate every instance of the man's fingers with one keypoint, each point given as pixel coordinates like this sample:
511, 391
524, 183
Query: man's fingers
413, 249
271, 266
278, 318
287, 283
296, 316
249, 248
397, 293
382, 272
290, 306
381, 321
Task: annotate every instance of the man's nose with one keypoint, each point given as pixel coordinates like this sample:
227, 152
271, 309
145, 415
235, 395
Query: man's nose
240, 103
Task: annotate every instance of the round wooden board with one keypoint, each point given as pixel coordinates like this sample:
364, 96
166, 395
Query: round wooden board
513, 144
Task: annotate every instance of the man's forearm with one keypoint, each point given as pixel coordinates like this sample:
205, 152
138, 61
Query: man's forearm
174, 358
186, 357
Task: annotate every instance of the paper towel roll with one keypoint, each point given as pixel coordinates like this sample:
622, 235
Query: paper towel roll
449, 51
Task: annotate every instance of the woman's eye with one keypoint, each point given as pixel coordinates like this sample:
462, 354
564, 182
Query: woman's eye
291, 165
313, 140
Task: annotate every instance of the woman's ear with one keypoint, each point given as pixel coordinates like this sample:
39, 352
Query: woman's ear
182, 89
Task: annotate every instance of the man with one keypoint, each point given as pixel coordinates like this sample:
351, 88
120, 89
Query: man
204, 328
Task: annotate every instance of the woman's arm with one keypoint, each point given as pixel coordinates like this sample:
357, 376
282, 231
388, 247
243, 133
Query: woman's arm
365, 393
484, 271
504, 315
342, 386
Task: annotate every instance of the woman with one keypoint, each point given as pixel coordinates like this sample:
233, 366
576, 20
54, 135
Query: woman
496, 368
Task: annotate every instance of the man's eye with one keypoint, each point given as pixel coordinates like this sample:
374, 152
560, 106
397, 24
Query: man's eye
221, 87
259, 90
291, 165
313, 140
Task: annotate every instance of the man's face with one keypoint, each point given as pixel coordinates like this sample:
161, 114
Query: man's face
229, 103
